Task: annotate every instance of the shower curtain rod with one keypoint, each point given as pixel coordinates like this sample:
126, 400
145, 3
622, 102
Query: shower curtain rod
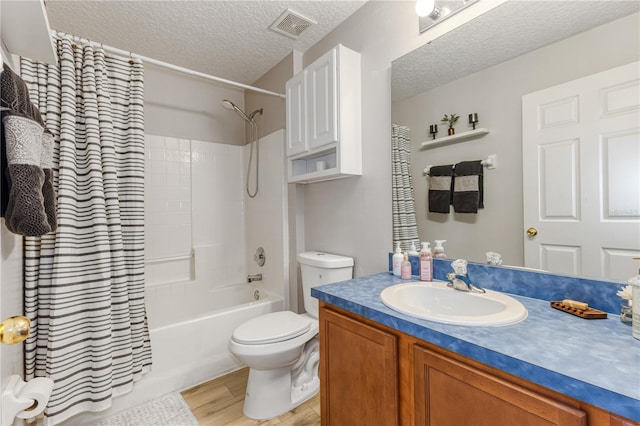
180, 69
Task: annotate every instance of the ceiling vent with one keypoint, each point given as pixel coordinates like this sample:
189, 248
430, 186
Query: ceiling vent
291, 24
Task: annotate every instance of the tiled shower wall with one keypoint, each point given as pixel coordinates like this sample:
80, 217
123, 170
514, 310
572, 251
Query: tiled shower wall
194, 219
168, 226
266, 215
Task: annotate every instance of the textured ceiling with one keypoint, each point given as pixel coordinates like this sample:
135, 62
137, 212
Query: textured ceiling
228, 39
508, 31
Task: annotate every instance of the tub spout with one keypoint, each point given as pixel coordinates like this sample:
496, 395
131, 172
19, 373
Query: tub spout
255, 277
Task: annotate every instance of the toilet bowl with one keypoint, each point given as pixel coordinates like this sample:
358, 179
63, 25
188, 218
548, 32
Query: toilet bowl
281, 348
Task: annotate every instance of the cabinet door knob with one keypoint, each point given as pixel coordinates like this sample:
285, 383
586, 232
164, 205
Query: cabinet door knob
532, 232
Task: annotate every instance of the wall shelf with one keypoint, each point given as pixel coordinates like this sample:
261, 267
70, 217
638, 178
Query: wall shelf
446, 140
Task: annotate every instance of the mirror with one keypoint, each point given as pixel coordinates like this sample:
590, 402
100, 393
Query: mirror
485, 66
441, 11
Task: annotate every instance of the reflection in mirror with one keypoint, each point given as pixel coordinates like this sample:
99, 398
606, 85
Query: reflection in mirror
486, 66
441, 10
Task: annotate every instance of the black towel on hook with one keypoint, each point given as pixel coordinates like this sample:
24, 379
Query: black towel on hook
440, 188
468, 193
25, 209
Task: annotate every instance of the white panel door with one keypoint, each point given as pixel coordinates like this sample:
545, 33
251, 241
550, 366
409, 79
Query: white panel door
322, 102
295, 107
581, 175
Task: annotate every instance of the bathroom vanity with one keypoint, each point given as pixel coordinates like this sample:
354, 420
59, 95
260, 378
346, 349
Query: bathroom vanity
381, 367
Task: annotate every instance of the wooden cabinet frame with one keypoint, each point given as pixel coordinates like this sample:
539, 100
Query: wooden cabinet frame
405, 397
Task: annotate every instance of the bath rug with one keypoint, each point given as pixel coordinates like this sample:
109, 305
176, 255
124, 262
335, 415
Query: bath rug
170, 410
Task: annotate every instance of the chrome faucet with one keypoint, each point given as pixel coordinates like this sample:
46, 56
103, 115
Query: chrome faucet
461, 282
252, 278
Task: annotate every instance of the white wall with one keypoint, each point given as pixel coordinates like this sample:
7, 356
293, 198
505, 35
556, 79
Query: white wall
11, 300
496, 94
187, 107
353, 216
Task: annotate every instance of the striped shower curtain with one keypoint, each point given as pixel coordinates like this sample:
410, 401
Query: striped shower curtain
405, 229
84, 284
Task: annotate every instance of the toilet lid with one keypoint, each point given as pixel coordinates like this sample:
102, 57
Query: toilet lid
271, 328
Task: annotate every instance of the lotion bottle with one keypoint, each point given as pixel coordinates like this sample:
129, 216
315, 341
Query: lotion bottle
397, 259
438, 250
426, 263
406, 268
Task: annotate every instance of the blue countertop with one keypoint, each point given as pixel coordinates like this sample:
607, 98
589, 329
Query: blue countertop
596, 361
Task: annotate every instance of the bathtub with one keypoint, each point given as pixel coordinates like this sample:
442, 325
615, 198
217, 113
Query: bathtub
189, 337
190, 347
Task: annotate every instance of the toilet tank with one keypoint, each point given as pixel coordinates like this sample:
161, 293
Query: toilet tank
319, 269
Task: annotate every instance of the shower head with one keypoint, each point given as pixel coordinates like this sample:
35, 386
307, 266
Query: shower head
228, 104
231, 106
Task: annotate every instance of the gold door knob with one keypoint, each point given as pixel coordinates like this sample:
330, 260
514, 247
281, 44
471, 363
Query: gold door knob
14, 330
532, 232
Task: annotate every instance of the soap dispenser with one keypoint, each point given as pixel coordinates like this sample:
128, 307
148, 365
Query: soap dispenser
406, 268
397, 259
426, 263
438, 250
413, 251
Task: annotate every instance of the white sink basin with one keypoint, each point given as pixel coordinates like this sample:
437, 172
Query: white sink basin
434, 301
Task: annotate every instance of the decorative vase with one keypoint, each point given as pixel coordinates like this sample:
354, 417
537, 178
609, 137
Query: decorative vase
451, 131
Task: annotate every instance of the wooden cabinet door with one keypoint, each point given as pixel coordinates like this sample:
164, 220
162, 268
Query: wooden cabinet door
358, 373
451, 393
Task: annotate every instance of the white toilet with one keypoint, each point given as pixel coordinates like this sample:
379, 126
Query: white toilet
281, 348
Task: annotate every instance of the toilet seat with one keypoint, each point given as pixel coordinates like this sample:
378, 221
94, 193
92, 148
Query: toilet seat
271, 328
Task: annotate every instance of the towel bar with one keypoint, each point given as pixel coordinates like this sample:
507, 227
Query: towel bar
490, 163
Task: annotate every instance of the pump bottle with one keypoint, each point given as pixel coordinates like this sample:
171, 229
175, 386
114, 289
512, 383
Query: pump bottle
397, 259
413, 251
426, 263
438, 250
406, 268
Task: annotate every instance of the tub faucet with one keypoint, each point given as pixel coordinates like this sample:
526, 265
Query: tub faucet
255, 277
461, 282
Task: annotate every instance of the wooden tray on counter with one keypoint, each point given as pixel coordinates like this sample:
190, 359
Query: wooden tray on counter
589, 313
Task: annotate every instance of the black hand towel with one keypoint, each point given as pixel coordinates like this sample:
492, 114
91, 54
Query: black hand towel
440, 188
467, 188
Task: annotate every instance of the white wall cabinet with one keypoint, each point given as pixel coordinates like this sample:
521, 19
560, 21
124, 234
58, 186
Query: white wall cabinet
25, 30
295, 115
324, 132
